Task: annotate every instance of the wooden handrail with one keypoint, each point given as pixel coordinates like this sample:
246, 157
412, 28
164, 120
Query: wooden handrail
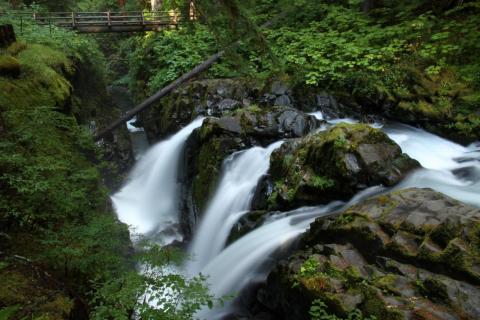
107, 21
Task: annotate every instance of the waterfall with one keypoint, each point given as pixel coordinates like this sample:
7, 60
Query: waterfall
241, 262
447, 167
148, 203
240, 175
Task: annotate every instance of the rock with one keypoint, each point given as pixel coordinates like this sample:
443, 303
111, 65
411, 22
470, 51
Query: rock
9, 66
271, 124
227, 105
262, 193
245, 224
210, 97
209, 145
283, 100
374, 257
335, 164
204, 153
279, 88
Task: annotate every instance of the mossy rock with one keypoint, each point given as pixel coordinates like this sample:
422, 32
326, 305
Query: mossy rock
371, 258
9, 66
334, 164
36, 297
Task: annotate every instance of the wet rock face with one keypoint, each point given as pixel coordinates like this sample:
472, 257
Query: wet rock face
334, 164
209, 145
212, 97
411, 254
222, 97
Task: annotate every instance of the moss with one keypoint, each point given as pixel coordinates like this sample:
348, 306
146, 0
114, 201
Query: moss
373, 305
387, 283
317, 284
435, 290
320, 182
16, 47
9, 66
210, 161
21, 287
43, 81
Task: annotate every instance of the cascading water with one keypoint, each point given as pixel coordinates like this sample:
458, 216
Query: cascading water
243, 261
240, 175
148, 203
447, 167
240, 263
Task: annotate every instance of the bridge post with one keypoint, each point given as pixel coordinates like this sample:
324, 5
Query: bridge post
108, 19
73, 20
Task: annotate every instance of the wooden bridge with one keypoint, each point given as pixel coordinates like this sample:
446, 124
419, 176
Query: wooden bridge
98, 22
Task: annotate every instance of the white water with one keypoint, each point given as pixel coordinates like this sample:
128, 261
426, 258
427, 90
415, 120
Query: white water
131, 127
240, 263
148, 203
440, 160
240, 175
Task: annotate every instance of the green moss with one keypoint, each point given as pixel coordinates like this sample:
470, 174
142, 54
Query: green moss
43, 80
9, 66
374, 306
320, 182
16, 47
210, 161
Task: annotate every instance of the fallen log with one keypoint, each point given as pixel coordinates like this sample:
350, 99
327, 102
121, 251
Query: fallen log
161, 93
173, 85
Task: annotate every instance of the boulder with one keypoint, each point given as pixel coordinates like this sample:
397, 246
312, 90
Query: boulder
209, 97
9, 66
410, 254
334, 164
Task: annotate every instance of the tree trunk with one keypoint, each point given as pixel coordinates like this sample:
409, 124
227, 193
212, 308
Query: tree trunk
156, 4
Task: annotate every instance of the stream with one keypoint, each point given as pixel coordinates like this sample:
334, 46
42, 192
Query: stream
148, 202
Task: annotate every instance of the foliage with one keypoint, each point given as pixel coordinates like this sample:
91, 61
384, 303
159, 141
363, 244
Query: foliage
417, 56
158, 292
318, 311
160, 58
309, 267
79, 48
6, 313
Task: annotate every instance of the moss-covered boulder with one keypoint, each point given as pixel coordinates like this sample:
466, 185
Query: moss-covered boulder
9, 66
335, 164
209, 97
443, 103
410, 254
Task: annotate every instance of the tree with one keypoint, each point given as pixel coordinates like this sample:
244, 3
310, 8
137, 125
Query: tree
157, 293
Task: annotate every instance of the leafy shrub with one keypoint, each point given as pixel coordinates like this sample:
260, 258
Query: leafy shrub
318, 311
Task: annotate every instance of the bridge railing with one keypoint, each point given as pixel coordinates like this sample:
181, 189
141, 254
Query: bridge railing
104, 19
